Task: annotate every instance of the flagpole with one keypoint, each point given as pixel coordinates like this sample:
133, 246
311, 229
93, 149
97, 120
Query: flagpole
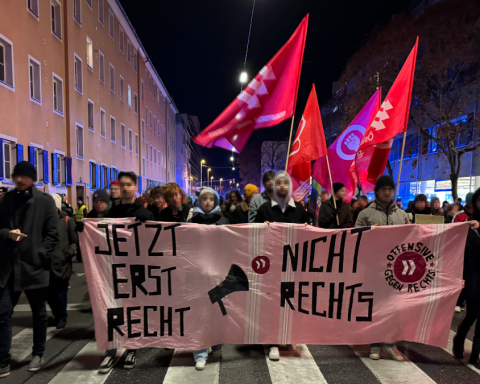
400, 168
290, 141
331, 185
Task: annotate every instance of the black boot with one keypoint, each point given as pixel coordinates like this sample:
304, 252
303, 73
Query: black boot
458, 344
474, 359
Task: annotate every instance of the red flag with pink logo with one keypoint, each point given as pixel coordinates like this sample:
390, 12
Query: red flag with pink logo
341, 154
390, 120
309, 145
268, 99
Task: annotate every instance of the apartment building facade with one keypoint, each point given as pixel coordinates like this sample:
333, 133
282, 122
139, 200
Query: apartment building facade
80, 98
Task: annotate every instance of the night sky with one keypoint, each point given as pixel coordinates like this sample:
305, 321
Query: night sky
198, 48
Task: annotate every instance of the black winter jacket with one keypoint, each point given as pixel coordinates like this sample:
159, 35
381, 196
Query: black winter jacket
327, 220
273, 213
27, 260
167, 215
134, 210
66, 249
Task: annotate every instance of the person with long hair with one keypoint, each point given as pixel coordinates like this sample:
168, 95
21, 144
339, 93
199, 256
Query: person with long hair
435, 207
176, 211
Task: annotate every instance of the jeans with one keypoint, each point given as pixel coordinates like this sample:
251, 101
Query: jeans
38, 303
57, 298
111, 352
380, 344
202, 354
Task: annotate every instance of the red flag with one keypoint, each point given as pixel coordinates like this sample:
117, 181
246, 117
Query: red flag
268, 100
300, 175
341, 153
309, 142
391, 119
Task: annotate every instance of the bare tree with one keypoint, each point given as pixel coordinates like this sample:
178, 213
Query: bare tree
274, 155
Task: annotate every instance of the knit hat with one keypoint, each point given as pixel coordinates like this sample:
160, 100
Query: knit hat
206, 190
249, 189
80, 198
24, 168
337, 187
101, 194
58, 201
468, 198
384, 181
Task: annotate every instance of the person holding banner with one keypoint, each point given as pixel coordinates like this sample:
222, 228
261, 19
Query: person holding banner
339, 217
176, 211
262, 198
207, 211
383, 211
472, 288
420, 206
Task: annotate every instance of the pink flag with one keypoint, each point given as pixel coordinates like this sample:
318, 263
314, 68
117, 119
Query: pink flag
341, 154
268, 100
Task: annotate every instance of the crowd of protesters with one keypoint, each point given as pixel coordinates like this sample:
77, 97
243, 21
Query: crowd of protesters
39, 237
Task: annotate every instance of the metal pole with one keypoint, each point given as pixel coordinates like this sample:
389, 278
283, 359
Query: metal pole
201, 176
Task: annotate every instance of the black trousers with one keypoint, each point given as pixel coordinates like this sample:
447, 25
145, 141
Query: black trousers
38, 303
57, 297
472, 313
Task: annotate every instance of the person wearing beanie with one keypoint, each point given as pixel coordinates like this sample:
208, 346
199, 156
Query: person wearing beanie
101, 201
114, 191
81, 210
339, 217
240, 214
471, 275
28, 237
383, 211
61, 264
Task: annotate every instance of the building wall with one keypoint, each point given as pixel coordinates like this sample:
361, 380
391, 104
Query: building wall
28, 121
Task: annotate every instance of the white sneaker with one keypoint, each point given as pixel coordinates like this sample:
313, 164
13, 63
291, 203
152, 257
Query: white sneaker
274, 353
200, 365
458, 309
393, 352
217, 354
374, 353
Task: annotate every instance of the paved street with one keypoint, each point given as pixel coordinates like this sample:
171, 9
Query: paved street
72, 358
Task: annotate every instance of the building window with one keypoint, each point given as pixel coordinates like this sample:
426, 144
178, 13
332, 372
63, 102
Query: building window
135, 103
105, 176
122, 39
150, 83
36, 159
89, 2
78, 74
155, 89
129, 96
151, 153
102, 66
32, 6
143, 166
101, 11
146, 115
143, 129
113, 130
114, 173
159, 158
79, 137
123, 135
143, 91
35, 82
155, 155
9, 149
6, 62
103, 123
93, 175
111, 20
89, 53
130, 139
112, 78
58, 169
137, 145
122, 89
57, 94
135, 61
91, 119
77, 11
146, 150
129, 51
56, 18
150, 119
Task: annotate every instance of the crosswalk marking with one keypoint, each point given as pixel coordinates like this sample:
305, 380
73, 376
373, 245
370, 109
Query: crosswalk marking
182, 370
390, 371
22, 343
468, 349
296, 366
83, 368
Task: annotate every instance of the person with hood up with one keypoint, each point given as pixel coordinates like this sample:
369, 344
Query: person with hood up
282, 208
241, 212
101, 201
471, 275
61, 265
328, 214
383, 211
207, 211
66, 208
420, 206
176, 211
263, 197
435, 207
28, 236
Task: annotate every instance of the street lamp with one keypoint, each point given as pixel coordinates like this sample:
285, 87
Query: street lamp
211, 182
201, 169
237, 185
243, 77
208, 173
221, 185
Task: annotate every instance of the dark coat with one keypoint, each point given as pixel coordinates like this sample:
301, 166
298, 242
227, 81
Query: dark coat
66, 249
167, 215
67, 209
241, 213
471, 270
274, 214
415, 211
29, 259
211, 219
135, 210
327, 220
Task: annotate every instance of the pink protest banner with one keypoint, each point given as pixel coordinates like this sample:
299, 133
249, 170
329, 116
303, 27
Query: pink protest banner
193, 286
